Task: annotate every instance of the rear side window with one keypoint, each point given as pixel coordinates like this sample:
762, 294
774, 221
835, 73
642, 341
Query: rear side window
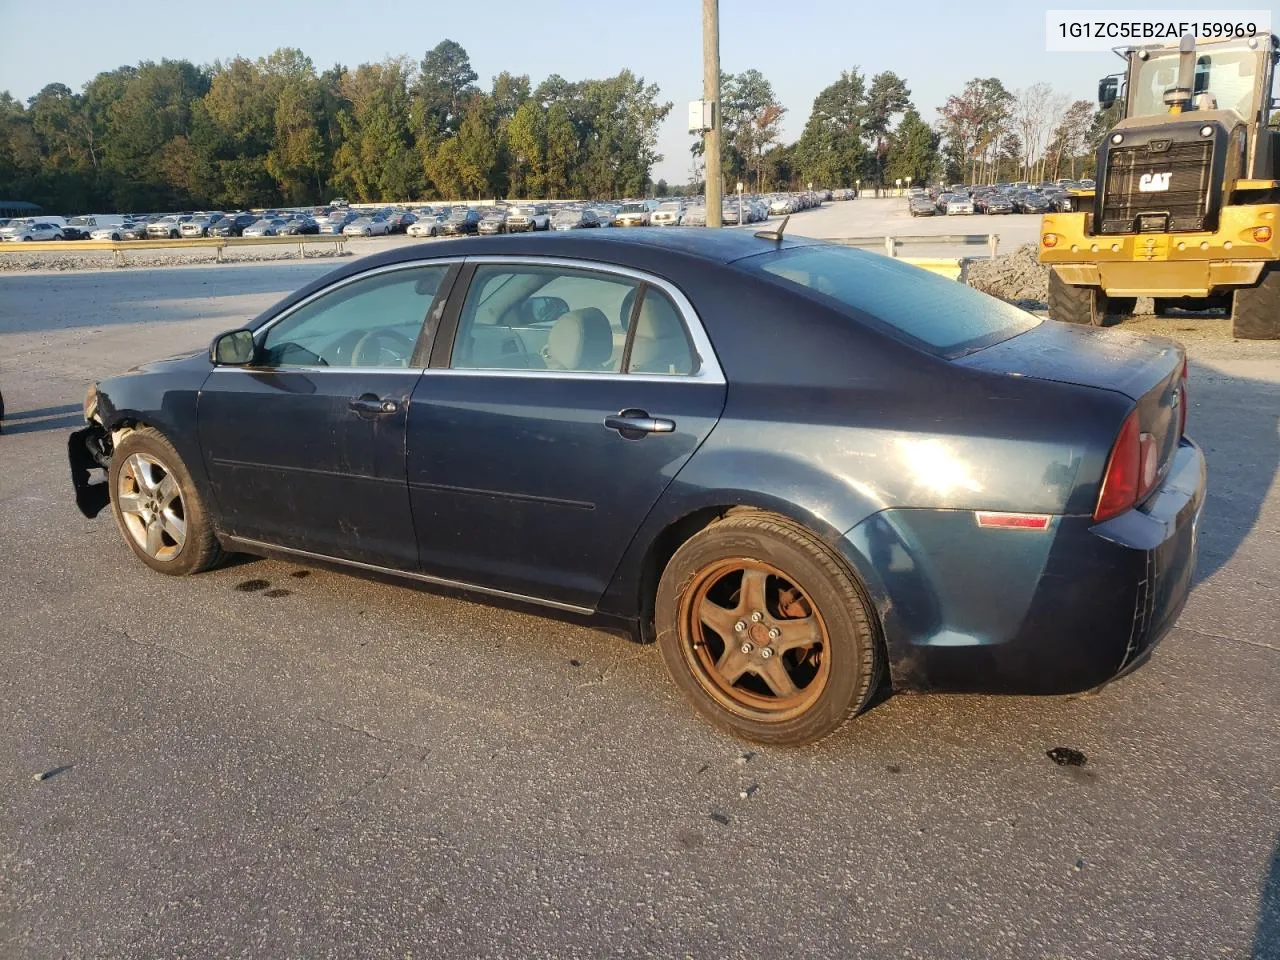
941, 315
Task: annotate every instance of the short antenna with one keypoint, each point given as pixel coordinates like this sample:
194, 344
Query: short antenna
774, 235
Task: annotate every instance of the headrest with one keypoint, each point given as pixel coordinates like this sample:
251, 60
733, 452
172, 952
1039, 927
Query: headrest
581, 340
658, 319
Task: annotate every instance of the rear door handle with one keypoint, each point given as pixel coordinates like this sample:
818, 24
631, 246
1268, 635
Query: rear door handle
634, 424
371, 405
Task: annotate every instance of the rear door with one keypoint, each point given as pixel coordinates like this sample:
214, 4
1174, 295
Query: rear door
561, 400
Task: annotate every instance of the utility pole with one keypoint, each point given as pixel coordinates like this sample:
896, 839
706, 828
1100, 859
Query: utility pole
711, 91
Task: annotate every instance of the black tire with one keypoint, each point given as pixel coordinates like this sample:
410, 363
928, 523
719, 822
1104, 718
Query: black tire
1163, 306
852, 662
1088, 306
199, 550
1255, 311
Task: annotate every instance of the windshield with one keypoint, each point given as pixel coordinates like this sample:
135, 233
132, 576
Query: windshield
633, 208
943, 316
1225, 76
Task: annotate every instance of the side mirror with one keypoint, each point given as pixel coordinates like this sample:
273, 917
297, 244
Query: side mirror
1108, 91
233, 349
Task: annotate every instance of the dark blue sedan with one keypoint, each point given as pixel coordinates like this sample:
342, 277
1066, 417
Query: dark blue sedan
804, 470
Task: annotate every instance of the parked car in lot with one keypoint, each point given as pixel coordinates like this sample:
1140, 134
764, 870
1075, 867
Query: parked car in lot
958, 473
376, 226
695, 216
528, 217
461, 220
634, 213
200, 224
264, 227
959, 204
1030, 202
995, 203
32, 231
299, 226
167, 228
231, 225
668, 214
135, 230
83, 227
921, 206
492, 222
574, 218
424, 226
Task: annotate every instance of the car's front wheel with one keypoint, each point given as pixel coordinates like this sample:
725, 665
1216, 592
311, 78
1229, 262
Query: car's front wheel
763, 628
157, 506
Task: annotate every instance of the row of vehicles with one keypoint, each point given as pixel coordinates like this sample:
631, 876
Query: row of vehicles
339, 218
998, 198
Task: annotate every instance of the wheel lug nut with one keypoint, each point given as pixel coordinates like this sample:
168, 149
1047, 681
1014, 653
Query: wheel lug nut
756, 616
739, 626
774, 633
766, 652
747, 648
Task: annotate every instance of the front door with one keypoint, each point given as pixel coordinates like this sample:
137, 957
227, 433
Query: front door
550, 424
306, 447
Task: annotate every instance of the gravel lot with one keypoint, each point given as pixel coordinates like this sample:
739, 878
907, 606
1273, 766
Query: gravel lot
269, 761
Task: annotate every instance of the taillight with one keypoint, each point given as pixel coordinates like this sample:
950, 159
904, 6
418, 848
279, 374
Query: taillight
1124, 466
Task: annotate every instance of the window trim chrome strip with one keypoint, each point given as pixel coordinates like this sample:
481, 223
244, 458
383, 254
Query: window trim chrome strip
411, 575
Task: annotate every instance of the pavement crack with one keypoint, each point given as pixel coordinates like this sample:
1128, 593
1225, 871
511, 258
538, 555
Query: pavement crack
609, 670
390, 741
1230, 639
180, 654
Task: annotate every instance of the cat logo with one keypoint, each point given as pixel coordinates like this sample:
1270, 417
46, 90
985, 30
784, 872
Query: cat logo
1153, 182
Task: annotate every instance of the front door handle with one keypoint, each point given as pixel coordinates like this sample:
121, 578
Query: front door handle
634, 424
370, 405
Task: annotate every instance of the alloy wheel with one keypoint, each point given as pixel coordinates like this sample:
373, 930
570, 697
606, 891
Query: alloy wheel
755, 640
150, 501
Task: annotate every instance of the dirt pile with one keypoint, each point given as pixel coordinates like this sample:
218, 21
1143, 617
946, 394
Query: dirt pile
1017, 277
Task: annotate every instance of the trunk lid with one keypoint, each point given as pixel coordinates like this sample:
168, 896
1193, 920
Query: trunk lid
1146, 369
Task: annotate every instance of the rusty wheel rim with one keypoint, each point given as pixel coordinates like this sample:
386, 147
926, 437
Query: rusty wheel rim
755, 640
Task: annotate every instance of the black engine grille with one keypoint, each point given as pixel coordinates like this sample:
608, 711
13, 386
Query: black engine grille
1127, 209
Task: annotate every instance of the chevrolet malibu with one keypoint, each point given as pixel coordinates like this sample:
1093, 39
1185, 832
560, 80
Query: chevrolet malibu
805, 471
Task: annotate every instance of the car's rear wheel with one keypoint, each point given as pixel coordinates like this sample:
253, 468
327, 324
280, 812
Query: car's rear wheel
765, 631
157, 506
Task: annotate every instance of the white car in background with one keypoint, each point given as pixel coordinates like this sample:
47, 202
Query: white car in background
668, 214
427, 225
35, 230
367, 227
634, 213
524, 218
960, 205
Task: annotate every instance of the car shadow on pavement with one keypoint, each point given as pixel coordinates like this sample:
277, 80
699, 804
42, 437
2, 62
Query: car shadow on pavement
1234, 420
47, 418
1266, 939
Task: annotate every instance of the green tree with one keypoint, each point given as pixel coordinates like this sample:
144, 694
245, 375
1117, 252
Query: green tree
912, 151
445, 82
887, 97
527, 146
831, 151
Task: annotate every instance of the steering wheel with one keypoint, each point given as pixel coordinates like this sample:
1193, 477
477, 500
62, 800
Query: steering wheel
386, 341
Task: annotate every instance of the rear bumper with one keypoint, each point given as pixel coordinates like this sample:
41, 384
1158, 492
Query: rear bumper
980, 610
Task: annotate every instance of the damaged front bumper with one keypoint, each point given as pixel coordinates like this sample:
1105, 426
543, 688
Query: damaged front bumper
89, 449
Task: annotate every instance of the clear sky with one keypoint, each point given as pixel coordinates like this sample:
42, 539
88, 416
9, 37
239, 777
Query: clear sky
800, 45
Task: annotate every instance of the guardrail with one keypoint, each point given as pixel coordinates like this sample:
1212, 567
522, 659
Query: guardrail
892, 243
218, 244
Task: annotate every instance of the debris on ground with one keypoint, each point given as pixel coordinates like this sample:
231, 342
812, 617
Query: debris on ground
1018, 277
1066, 757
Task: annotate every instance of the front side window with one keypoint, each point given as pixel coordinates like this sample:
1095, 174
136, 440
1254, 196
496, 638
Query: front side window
527, 317
371, 322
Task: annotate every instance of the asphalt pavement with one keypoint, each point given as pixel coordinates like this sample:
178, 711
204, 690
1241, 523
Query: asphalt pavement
273, 761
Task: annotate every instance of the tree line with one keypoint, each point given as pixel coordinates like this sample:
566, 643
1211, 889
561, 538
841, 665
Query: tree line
275, 131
